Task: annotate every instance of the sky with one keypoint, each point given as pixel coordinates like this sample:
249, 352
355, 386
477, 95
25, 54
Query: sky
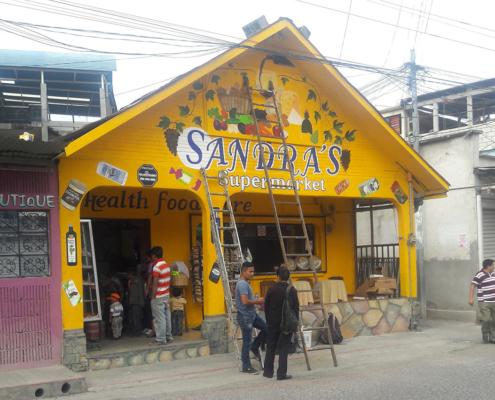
337, 27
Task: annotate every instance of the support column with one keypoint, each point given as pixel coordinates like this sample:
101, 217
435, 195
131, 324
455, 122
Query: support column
214, 327
407, 250
103, 97
436, 120
74, 346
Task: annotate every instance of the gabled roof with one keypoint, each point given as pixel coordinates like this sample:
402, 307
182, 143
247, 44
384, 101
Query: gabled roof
426, 180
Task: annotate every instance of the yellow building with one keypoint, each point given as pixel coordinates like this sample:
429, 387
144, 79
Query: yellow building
136, 174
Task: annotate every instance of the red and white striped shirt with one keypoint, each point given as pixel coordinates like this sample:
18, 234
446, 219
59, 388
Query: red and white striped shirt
161, 271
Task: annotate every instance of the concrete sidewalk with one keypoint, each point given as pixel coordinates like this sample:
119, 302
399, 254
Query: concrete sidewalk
445, 360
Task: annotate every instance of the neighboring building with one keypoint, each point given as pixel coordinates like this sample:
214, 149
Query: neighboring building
43, 97
52, 94
133, 180
30, 317
457, 137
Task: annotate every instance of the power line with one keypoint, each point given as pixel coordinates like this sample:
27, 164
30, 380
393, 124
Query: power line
399, 26
345, 29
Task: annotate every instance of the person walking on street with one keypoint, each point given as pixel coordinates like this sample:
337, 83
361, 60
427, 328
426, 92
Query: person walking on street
484, 282
276, 338
160, 294
248, 318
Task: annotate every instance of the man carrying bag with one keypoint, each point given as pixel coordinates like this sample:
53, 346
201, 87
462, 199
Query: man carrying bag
282, 314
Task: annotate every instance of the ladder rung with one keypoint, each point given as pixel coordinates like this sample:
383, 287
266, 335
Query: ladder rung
320, 347
298, 255
294, 237
316, 328
212, 177
217, 194
286, 202
253, 89
219, 210
226, 228
263, 105
230, 245
290, 218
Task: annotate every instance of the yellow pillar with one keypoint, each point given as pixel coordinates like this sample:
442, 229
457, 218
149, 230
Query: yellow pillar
213, 296
72, 315
407, 250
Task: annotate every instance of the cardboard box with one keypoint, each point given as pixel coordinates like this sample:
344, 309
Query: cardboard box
376, 286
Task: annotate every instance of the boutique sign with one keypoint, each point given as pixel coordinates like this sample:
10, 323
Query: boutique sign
196, 149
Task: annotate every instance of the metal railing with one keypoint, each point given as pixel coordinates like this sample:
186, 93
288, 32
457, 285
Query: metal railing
377, 259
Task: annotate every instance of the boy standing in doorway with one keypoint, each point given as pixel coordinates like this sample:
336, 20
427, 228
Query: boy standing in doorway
160, 294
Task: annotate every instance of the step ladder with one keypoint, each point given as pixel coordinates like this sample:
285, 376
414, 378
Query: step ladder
229, 270
262, 101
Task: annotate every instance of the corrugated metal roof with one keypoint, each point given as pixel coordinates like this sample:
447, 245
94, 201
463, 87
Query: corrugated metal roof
12, 148
43, 59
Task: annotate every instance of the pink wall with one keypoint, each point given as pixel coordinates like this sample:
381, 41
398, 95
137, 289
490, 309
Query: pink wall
30, 310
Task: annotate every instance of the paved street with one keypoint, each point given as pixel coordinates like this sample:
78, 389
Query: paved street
444, 361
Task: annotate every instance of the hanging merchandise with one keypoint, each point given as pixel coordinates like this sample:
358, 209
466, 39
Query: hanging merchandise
197, 274
214, 273
71, 247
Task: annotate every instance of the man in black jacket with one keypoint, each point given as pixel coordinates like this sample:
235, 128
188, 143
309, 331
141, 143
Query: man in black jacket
274, 301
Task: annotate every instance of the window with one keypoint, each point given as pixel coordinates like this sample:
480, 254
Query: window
264, 246
24, 250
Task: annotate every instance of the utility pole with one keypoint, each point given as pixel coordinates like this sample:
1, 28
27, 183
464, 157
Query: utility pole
413, 68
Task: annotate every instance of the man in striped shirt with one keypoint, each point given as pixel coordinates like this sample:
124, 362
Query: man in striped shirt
160, 294
484, 283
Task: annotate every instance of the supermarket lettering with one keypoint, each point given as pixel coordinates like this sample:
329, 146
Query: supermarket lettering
198, 150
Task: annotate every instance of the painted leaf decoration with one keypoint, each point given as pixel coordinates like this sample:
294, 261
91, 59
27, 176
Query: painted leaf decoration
338, 140
191, 95
337, 125
215, 79
197, 85
317, 116
314, 137
197, 120
324, 106
164, 122
311, 94
327, 135
332, 114
303, 79
350, 135
183, 110
214, 113
180, 126
284, 80
210, 95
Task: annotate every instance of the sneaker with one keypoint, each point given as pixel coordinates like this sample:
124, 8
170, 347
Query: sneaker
250, 370
170, 339
159, 342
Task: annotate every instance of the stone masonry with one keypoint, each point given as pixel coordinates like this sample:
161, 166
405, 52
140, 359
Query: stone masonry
74, 352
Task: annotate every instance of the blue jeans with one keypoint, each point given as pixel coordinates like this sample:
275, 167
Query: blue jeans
162, 319
247, 323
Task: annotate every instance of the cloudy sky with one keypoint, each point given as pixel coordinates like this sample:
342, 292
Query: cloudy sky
453, 38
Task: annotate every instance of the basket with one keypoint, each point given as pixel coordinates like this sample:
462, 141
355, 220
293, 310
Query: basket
230, 101
179, 280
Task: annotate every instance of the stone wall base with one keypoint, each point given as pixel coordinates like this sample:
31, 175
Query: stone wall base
372, 317
75, 356
215, 329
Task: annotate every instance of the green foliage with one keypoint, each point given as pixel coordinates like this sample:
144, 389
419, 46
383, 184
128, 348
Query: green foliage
317, 116
332, 114
284, 80
164, 122
192, 95
215, 79
183, 110
210, 95
198, 85
338, 140
337, 125
197, 120
350, 135
311, 95
314, 137
324, 106
328, 136
179, 126
214, 113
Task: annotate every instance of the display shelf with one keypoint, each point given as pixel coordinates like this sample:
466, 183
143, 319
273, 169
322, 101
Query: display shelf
91, 294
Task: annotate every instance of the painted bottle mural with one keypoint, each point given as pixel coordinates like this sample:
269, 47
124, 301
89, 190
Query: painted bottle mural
70, 239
